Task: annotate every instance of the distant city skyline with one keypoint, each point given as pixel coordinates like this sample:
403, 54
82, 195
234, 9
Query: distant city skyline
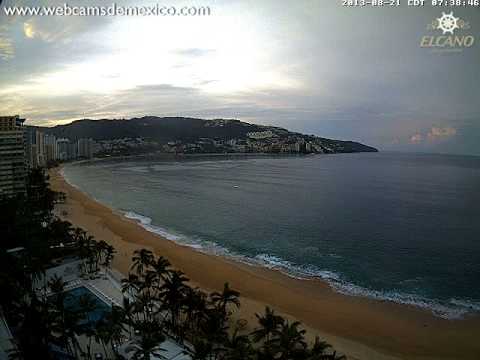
315, 67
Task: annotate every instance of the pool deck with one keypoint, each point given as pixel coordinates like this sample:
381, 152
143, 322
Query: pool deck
106, 285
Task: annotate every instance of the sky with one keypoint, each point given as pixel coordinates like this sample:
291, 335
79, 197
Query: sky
354, 73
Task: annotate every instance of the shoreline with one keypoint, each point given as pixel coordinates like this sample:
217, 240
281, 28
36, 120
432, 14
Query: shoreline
297, 272
362, 328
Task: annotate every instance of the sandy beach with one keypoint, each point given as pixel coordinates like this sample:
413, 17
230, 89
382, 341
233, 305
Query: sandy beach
359, 327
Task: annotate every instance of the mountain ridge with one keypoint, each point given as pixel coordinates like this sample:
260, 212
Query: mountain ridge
189, 130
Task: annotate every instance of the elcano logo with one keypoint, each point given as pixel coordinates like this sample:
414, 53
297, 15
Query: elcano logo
453, 35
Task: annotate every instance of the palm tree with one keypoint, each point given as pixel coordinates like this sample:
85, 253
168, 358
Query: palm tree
335, 357
34, 329
226, 297
72, 328
162, 267
288, 341
317, 351
102, 336
83, 240
60, 315
213, 327
265, 353
78, 235
128, 310
172, 293
106, 252
238, 347
62, 322
149, 283
195, 306
146, 305
88, 251
87, 305
112, 327
148, 343
131, 285
332, 356
56, 284
35, 267
269, 323
98, 252
142, 259
201, 350
14, 353
59, 232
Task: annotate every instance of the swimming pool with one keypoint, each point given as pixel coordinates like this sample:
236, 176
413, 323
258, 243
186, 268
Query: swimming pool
77, 297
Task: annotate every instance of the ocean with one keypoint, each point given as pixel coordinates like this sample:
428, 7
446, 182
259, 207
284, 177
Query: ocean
392, 226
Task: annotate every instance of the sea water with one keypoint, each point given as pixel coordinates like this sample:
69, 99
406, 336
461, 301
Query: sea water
392, 226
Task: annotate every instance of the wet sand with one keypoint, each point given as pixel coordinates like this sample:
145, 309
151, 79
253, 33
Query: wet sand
359, 327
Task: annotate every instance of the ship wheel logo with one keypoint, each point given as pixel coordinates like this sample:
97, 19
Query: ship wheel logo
448, 23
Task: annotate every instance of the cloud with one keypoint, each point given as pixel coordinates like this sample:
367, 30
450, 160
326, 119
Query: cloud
439, 133
435, 134
6, 48
269, 68
194, 52
416, 139
206, 82
159, 89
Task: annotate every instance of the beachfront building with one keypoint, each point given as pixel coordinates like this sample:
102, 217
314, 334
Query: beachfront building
62, 148
66, 149
51, 148
13, 161
85, 148
35, 147
259, 135
43, 149
40, 156
30, 146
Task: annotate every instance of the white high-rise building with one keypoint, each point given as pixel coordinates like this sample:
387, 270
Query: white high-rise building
85, 148
51, 149
35, 147
63, 145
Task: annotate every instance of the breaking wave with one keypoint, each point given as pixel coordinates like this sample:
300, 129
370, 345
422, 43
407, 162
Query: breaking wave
451, 309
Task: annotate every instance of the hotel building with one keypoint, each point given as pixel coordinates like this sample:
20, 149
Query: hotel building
13, 162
